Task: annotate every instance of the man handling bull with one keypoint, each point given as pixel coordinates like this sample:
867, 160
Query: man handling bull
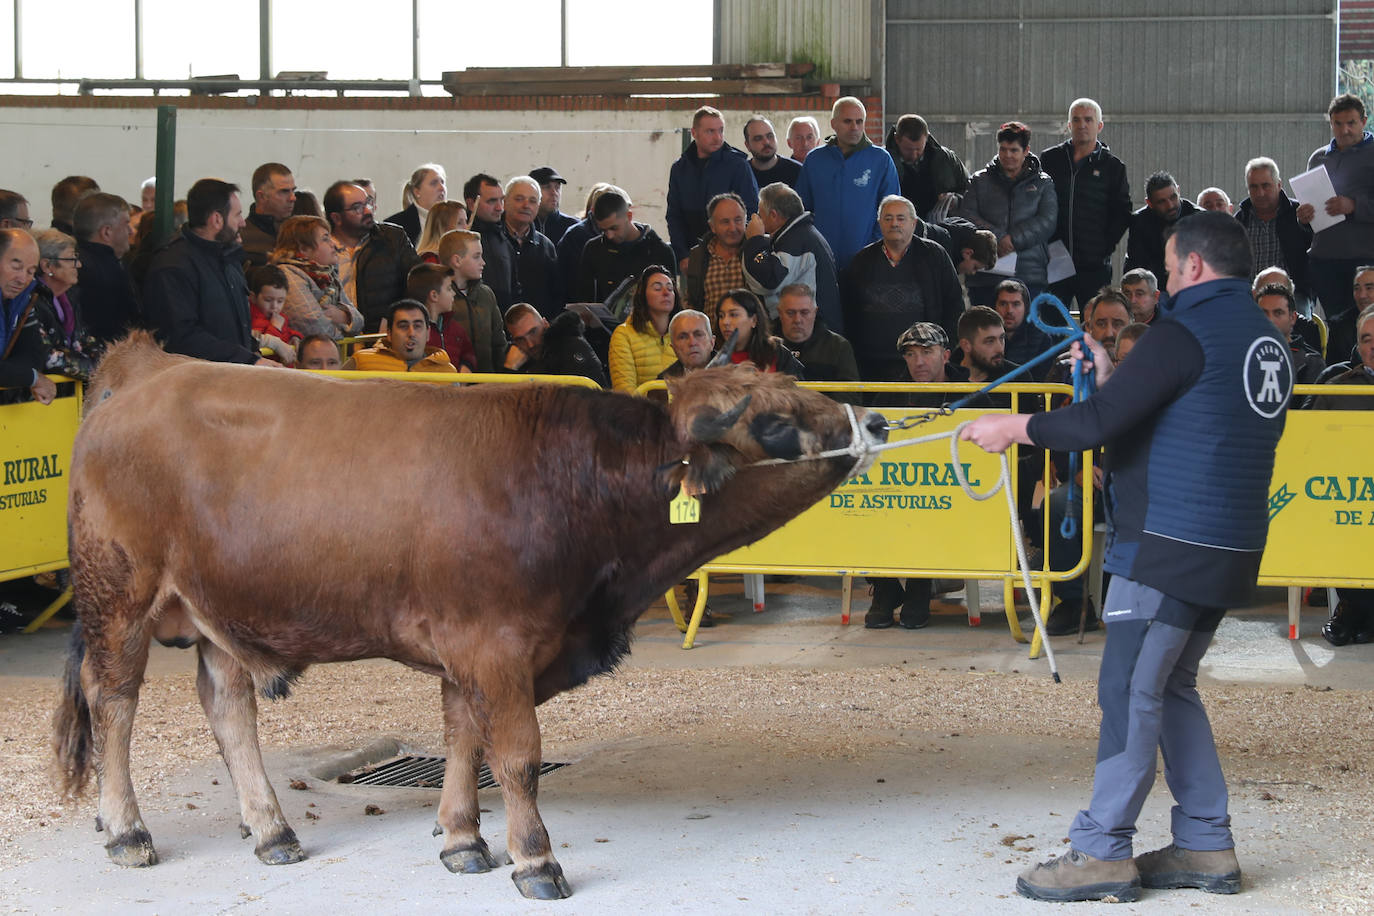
1190, 430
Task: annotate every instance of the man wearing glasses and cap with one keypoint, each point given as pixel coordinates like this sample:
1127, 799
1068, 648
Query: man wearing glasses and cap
551, 221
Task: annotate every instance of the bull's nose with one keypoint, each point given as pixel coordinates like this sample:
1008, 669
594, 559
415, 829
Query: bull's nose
876, 424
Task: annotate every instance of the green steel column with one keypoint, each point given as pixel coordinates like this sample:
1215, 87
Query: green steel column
166, 170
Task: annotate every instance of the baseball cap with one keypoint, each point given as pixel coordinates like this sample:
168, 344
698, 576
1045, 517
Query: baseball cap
546, 174
923, 334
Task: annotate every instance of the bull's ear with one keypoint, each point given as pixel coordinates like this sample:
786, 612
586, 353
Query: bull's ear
705, 470
710, 424
779, 437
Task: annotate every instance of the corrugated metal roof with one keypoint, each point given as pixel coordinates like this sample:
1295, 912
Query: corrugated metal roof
835, 35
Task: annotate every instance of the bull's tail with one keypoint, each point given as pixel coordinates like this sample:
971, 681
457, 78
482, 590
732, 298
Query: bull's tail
71, 723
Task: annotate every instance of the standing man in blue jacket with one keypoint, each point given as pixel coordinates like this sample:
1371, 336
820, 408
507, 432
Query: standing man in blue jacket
707, 167
843, 182
1190, 426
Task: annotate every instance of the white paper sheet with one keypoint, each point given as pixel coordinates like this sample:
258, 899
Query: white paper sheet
1005, 266
1061, 263
1314, 187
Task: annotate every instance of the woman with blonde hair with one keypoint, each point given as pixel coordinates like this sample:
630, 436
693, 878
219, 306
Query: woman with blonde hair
427, 186
445, 216
315, 300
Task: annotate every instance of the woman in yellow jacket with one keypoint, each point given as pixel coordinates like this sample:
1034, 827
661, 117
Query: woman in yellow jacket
640, 348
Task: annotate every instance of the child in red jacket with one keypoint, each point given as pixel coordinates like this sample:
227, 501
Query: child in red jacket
266, 298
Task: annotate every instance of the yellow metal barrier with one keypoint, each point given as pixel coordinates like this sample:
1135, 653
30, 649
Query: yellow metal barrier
910, 505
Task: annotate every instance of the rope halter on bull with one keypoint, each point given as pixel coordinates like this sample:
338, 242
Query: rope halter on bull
1083, 386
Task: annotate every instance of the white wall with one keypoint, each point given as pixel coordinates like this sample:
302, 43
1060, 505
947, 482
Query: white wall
117, 147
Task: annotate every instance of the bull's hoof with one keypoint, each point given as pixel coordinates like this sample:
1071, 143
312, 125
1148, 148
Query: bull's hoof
543, 882
133, 849
282, 849
468, 860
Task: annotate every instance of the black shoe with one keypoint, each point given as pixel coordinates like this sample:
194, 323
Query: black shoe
915, 613
1340, 629
1063, 620
887, 594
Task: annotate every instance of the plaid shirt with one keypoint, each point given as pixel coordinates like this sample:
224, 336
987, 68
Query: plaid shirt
1264, 240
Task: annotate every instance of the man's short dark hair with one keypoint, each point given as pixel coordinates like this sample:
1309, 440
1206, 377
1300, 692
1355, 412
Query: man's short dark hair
1014, 132
516, 311
209, 195
472, 188
404, 305
265, 173
267, 275
334, 198
424, 279
720, 199
912, 127
1159, 181
975, 319
10, 202
1133, 331
782, 200
1277, 289
983, 244
1116, 296
67, 192
1346, 101
95, 211
753, 119
1013, 285
313, 338
1218, 238
610, 203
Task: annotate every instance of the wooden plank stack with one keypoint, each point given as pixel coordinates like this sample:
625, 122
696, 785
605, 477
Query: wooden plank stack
705, 80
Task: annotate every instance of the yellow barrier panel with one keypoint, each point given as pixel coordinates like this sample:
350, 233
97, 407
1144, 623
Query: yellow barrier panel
35, 455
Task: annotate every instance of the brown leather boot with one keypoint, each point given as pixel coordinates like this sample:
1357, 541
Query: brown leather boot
1214, 871
1078, 876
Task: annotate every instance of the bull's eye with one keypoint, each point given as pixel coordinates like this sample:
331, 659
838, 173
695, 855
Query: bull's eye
777, 434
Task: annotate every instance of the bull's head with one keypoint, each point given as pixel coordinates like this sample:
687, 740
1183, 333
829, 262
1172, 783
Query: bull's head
727, 418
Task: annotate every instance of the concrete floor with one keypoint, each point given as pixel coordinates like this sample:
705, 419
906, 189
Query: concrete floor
650, 824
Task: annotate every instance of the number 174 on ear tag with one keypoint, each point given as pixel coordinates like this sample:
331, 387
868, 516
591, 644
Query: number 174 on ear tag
684, 509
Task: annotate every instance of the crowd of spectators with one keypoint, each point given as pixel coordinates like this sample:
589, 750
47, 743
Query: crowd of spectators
847, 261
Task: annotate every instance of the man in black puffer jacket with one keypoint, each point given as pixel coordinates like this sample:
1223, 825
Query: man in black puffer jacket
376, 257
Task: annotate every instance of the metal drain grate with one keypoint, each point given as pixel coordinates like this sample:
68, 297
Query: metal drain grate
417, 772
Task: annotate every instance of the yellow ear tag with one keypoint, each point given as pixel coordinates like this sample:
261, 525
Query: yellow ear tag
684, 509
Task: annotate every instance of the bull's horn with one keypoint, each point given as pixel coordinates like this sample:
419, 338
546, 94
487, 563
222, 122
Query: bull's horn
710, 427
723, 357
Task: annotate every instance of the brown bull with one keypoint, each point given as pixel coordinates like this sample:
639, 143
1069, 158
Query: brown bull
503, 538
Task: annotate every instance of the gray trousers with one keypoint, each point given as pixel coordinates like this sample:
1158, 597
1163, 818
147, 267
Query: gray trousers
1147, 689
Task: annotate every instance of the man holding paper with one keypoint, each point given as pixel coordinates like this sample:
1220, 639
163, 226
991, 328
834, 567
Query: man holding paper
1342, 218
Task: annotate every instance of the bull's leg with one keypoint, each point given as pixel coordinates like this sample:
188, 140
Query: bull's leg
111, 680
465, 852
226, 693
514, 759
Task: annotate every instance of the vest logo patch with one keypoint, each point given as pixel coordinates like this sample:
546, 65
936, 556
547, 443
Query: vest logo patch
862, 180
1268, 377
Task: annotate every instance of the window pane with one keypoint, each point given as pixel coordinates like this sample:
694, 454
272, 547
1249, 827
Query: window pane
455, 36
96, 42
181, 41
349, 39
604, 33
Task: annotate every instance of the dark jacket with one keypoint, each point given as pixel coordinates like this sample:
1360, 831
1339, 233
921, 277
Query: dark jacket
521, 270
1024, 206
476, 310
1355, 375
938, 171
569, 251
882, 300
379, 268
565, 351
259, 237
1026, 343
798, 253
605, 264
786, 170
409, 220
107, 295
1191, 422
555, 225
692, 182
1094, 201
827, 356
21, 341
1294, 240
196, 299
1145, 245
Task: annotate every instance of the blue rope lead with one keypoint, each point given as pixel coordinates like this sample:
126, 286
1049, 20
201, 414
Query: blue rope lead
1084, 384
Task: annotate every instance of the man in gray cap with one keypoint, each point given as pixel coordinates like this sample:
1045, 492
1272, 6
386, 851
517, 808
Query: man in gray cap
551, 221
925, 349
